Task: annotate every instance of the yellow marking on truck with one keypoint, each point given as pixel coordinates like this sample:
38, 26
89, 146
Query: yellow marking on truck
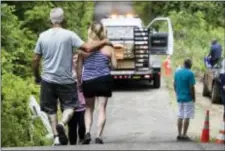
136, 77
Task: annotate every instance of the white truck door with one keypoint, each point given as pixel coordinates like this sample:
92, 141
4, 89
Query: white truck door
161, 43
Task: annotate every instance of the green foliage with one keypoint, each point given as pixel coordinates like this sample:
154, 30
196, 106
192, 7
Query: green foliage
16, 118
215, 11
37, 19
16, 44
193, 35
22, 22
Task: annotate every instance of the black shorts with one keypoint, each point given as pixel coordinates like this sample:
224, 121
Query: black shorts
223, 101
101, 86
52, 92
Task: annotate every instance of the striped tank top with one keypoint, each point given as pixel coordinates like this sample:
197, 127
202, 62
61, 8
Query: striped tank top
95, 65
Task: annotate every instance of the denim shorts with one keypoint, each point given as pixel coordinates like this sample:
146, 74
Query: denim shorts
51, 93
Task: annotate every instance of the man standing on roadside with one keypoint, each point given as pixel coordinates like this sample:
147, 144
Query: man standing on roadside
215, 52
184, 82
55, 47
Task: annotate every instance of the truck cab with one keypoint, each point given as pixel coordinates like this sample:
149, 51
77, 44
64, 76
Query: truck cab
138, 48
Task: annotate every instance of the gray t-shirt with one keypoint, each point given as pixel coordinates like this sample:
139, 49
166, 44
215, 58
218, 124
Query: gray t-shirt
56, 47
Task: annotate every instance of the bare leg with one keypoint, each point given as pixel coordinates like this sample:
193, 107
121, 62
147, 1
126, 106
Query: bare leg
88, 116
53, 121
186, 125
67, 115
179, 126
102, 102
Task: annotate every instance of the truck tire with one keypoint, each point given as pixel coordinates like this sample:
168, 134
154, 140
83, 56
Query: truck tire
156, 81
205, 91
215, 96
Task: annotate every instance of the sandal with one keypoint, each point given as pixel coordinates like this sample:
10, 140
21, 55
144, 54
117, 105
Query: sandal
186, 138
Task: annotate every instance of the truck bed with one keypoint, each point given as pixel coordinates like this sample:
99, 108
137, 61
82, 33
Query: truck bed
125, 64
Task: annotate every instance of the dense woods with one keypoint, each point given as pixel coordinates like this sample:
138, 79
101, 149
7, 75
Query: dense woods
194, 23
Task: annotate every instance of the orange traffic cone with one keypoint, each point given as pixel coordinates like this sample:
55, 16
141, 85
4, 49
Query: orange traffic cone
220, 139
167, 66
205, 131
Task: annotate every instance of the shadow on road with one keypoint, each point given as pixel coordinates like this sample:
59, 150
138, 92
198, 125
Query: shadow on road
131, 86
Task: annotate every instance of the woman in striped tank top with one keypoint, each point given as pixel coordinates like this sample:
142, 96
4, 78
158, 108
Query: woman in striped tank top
94, 73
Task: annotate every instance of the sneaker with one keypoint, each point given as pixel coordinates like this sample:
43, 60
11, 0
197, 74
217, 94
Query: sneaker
99, 141
179, 138
62, 135
56, 141
80, 141
87, 138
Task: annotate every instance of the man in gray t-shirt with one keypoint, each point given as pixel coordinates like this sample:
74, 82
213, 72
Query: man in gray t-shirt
55, 48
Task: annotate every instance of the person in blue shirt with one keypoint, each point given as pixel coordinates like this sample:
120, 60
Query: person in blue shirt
215, 52
222, 88
184, 81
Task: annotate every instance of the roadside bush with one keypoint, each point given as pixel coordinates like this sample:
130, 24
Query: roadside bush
16, 118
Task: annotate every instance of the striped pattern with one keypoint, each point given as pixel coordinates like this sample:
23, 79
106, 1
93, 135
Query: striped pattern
186, 110
95, 65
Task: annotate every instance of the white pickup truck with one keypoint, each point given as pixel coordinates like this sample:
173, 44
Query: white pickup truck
138, 47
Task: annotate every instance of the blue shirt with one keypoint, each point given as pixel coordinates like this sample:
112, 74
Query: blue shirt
184, 79
56, 47
215, 51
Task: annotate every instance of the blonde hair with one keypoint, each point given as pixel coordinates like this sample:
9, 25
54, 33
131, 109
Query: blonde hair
96, 31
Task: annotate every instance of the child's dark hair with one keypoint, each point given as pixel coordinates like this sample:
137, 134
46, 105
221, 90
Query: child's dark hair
188, 63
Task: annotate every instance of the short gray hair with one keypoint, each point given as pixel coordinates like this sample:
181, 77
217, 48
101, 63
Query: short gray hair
56, 15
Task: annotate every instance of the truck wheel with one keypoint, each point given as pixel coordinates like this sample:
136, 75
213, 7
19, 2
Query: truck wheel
215, 93
156, 81
205, 91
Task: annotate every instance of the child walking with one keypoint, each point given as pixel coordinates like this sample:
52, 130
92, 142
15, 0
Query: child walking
76, 126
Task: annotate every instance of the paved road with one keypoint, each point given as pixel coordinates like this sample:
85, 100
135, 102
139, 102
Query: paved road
138, 118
